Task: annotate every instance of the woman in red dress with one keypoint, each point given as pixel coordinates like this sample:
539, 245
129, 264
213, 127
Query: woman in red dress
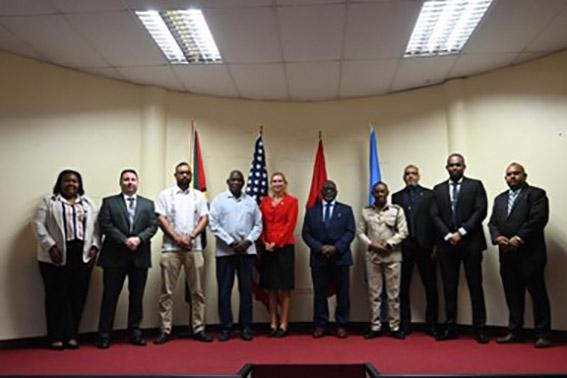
279, 216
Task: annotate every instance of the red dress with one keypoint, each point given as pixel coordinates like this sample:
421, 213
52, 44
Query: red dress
277, 267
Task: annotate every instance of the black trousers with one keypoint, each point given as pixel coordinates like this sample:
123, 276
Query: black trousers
413, 255
519, 275
450, 261
227, 266
113, 281
66, 289
324, 276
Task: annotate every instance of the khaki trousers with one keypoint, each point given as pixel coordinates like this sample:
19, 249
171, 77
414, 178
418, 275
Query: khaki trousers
171, 263
377, 272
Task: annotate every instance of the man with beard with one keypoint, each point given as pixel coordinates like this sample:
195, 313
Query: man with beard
458, 210
328, 230
517, 227
417, 249
182, 215
236, 222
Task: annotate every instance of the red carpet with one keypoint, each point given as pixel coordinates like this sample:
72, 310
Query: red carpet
418, 354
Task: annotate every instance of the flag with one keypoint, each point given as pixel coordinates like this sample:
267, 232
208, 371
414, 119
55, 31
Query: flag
199, 180
375, 175
257, 188
319, 177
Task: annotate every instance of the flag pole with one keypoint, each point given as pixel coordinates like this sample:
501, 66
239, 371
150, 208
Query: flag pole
320, 135
261, 130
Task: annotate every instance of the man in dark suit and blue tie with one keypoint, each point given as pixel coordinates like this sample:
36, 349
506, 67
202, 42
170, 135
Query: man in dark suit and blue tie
417, 248
328, 230
517, 227
128, 222
458, 209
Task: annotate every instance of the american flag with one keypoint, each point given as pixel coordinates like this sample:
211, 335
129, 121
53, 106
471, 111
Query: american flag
257, 185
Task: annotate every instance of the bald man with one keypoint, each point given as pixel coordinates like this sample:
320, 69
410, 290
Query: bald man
517, 227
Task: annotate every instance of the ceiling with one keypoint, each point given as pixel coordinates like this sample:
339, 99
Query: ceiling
289, 50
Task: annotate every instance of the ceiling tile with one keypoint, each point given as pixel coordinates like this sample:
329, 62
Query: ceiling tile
25, 7
185, 4
470, 64
119, 37
53, 38
245, 35
313, 81
207, 79
553, 37
306, 2
379, 30
260, 81
365, 78
108, 72
81, 6
160, 76
509, 25
311, 33
419, 72
11, 43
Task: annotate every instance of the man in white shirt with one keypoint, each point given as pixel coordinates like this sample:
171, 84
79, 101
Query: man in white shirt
182, 215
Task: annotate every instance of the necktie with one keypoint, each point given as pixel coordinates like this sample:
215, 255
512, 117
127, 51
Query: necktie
454, 200
131, 212
327, 215
511, 199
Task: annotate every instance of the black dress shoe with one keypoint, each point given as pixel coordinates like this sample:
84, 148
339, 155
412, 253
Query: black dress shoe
103, 343
509, 339
318, 333
56, 345
542, 342
72, 344
202, 336
342, 333
281, 332
273, 332
373, 334
432, 331
225, 335
399, 334
137, 340
448, 335
482, 338
246, 334
162, 338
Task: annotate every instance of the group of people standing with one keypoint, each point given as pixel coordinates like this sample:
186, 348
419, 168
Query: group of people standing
420, 227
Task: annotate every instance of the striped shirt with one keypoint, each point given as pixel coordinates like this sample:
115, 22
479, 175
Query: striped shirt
74, 217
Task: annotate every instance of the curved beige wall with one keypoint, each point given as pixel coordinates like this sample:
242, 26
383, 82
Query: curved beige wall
52, 118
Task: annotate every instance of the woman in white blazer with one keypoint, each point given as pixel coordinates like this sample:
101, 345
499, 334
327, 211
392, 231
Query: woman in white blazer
66, 229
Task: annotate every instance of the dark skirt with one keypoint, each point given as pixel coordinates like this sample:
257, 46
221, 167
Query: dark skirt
277, 269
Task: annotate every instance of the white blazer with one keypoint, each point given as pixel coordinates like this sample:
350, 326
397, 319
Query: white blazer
47, 225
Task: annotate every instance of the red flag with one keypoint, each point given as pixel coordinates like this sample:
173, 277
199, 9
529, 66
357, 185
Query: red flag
199, 180
319, 177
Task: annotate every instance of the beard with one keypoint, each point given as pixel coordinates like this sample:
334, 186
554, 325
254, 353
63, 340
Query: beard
183, 183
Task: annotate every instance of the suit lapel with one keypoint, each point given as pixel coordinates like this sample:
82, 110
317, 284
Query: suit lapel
123, 210
138, 210
520, 197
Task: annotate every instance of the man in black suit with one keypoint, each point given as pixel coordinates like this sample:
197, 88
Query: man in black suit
458, 210
516, 226
328, 230
128, 222
417, 248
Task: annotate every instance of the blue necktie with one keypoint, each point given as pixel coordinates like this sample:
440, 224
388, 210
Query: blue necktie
454, 200
512, 195
131, 212
327, 215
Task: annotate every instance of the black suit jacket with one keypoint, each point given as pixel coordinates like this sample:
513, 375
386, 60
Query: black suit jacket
527, 220
421, 228
340, 233
471, 210
114, 225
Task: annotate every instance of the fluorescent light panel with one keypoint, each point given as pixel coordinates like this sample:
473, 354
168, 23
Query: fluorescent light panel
182, 35
444, 26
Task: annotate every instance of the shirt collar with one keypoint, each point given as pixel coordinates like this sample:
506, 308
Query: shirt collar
230, 195
60, 198
451, 182
332, 203
125, 196
178, 190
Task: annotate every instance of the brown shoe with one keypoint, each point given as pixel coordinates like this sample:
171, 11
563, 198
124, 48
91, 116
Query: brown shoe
542, 342
508, 339
318, 333
342, 333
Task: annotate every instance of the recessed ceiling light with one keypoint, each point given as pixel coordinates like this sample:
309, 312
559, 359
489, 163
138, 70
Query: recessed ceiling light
182, 35
444, 26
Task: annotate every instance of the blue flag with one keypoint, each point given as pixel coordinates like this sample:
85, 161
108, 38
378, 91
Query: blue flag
375, 175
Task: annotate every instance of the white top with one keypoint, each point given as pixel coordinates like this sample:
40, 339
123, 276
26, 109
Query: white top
183, 209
